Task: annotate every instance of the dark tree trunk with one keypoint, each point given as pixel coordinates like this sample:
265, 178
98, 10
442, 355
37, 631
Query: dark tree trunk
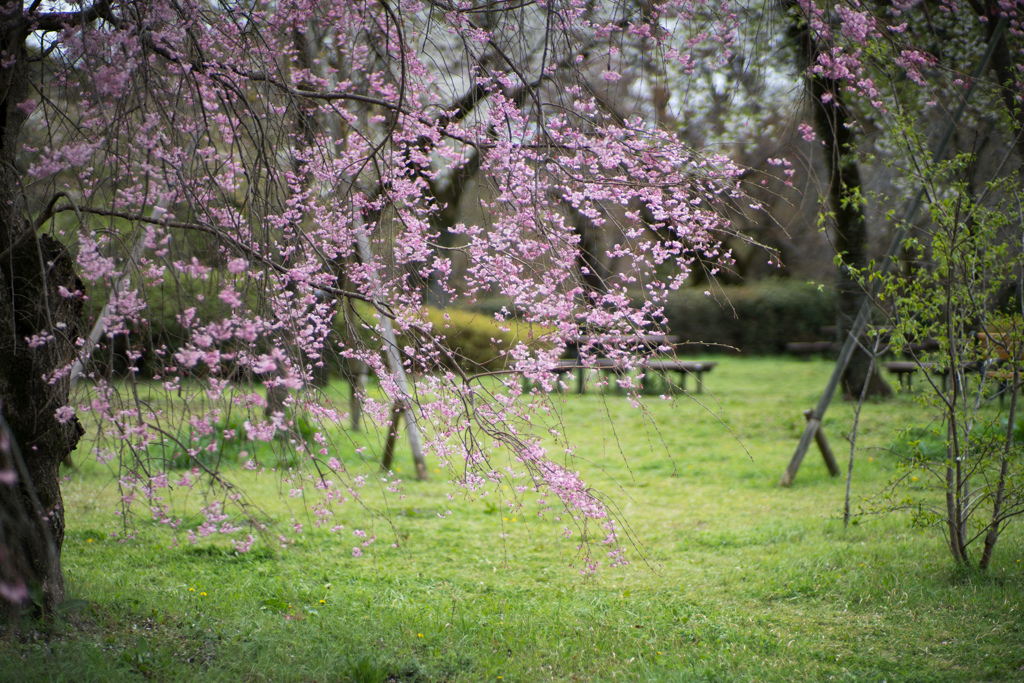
592, 270
850, 242
1006, 72
32, 269
851, 233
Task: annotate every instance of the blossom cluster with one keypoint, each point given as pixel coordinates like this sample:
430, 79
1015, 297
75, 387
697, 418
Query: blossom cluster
234, 164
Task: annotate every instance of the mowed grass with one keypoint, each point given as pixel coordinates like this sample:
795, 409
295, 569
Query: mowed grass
732, 577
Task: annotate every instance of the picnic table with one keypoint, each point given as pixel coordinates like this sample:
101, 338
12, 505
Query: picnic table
997, 346
652, 368
1004, 351
904, 371
650, 342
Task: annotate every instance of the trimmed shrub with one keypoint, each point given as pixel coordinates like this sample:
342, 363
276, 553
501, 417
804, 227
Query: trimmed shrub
475, 338
477, 341
755, 319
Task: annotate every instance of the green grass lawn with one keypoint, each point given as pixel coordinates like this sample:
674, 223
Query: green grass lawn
732, 577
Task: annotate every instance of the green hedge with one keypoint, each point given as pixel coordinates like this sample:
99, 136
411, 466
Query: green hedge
756, 319
477, 340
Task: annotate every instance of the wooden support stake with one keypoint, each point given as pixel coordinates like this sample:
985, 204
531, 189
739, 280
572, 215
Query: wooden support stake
826, 450
356, 373
387, 458
99, 328
404, 398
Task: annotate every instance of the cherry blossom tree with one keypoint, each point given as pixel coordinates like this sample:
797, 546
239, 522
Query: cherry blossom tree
271, 168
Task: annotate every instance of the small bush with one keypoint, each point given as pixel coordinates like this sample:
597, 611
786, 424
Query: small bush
160, 335
478, 342
475, 341
920, 444
756, 319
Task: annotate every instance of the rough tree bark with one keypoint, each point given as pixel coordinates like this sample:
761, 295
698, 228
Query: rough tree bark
851, 234
32, 269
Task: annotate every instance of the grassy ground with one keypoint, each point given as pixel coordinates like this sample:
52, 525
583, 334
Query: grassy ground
734, 578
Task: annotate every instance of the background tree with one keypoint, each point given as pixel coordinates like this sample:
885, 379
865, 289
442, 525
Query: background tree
834, 125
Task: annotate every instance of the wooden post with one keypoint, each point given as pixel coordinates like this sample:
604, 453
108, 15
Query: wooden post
391, 351
357, 388
826, 450
387, 458
813, 430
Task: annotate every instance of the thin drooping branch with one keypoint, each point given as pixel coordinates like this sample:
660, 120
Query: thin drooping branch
233, 242
99, 327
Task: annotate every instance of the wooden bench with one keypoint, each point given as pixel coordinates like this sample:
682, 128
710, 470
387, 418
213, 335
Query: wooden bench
682, 367
603, 365
1004, 351
650, 345
651, 370
904, 371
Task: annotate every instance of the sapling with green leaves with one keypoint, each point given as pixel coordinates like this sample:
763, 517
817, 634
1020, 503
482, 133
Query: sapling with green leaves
287, 163
963, 290
899, 74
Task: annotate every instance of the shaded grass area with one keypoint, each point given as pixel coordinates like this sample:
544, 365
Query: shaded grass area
732, 577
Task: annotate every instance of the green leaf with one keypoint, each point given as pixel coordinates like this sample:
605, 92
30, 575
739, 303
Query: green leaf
276, 604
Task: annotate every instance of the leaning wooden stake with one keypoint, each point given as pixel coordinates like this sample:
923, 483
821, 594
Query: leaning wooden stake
387, 458
826, 450
404, 400
100, 326
357, 389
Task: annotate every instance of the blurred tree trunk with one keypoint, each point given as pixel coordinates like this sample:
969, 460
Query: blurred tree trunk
846, 204
32, 269
1007, 72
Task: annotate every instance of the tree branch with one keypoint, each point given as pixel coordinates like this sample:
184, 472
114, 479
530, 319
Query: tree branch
58, 21
209, 230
